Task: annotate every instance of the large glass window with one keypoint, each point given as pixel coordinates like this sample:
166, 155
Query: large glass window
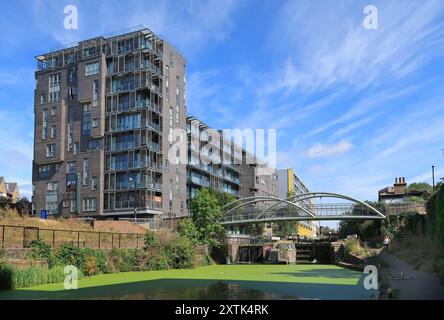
86, 123
54, 80
92, 68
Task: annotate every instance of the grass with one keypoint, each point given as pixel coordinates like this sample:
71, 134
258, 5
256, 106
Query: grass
308, 281
354, 246
421, 253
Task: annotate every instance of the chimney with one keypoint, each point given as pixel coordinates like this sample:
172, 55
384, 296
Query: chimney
400, 185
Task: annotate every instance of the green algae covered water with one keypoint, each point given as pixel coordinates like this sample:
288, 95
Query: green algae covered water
231, 282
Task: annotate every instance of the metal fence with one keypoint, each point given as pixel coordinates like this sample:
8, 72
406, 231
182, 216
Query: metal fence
12, 236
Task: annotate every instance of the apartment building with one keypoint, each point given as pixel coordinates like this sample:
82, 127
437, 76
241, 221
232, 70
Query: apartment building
211, 164
254, 182
291, 184
105, 110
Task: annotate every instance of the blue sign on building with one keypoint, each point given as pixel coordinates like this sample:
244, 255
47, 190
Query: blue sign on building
43, 214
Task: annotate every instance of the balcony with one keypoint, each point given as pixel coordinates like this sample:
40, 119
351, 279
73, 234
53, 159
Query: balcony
129, 204
200, 182
142, 104
125, 186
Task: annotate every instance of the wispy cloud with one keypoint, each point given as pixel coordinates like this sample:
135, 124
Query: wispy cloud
322, 150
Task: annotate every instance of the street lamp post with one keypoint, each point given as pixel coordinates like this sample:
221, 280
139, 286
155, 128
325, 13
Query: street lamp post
433, 178
133, 186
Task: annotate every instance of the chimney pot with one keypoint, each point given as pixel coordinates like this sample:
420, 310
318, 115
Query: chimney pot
396, 180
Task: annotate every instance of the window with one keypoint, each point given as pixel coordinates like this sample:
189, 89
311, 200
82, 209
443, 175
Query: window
42, 98
65, 204
177, 91
76, 148
54, 111
53, 131
94, 145
177, 116
86, 123
95, 123
45, 170
54, 80
54, 96
95, 92
50, 150
171, 116
167, 83
89, 204
170, 189
44, 123
71, 167
73, 206
85, 171
71, 75
91, 68
94, 183
52, 188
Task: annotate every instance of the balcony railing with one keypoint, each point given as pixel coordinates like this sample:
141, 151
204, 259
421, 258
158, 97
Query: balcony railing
139, 185
129, 204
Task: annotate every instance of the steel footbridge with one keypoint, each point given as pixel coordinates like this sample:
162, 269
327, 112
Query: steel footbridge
305, 206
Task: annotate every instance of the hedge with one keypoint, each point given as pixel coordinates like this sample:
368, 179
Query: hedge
435, 215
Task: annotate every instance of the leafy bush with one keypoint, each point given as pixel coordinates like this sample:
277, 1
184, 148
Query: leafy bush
67, 254
180, 253
404, 223
42, 251
154, 260
151, 239
122, 260
6, 274
188, 229
435, 215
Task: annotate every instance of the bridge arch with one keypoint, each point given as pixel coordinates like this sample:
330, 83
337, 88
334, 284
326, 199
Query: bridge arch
310, 211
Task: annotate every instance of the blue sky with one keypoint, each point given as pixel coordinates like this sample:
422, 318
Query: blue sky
353, 108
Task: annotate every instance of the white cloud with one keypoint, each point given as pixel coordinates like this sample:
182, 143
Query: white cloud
319, 150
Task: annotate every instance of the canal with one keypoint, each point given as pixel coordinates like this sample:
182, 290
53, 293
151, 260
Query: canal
213, 282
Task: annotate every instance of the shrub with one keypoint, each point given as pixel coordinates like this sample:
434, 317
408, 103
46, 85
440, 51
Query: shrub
67, 254
6, 274
91, 266
122, 260
42, 251
188, 229
354, 246
435, 215
151, 239
180, 253
405, 223
153, 260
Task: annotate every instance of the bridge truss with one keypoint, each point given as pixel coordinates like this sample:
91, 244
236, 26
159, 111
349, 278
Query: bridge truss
305, 206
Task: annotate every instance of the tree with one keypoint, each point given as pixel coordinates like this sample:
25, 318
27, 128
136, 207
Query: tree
363, 228
423, 187
205, 212
223, 198
188, 229
23, 206
284, 228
